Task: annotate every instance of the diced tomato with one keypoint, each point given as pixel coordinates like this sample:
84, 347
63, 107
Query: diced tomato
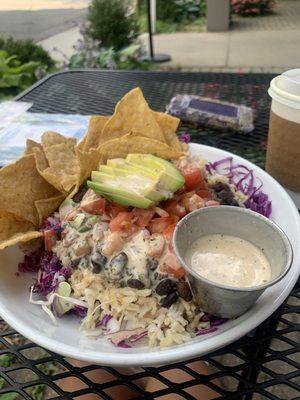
93, 206
162, 213
173, 266
192, 203
204, 194
50, 239
173, 207
142, 217
212, 203
114, 209
112, 243
193, 178
168, 235
158, 225
71, 216
121, 221
129, 230
156, 245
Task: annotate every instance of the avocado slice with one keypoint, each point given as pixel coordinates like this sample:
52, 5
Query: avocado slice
170, 178
119, 195
133, 183
121, 163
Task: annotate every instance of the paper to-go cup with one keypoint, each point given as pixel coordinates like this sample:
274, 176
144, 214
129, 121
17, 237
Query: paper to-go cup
283, 152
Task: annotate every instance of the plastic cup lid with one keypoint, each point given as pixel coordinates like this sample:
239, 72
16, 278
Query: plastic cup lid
285, 88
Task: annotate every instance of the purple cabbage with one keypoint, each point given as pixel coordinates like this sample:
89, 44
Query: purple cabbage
124, 345
133, 339
51, 223
205, 318
136, 338
125, 339
214, 321
206, 331
51, 273
243, 179
185, 137
31, 262
104, 321
79, 311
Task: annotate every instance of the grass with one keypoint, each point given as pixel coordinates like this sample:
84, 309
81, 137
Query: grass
171, 27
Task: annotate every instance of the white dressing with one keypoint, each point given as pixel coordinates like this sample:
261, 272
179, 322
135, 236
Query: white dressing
229, 260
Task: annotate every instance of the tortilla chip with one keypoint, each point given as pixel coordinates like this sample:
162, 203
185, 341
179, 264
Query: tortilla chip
44, 170
14, 230
57, 162
40, 159
135, 143
132, 113
30, 145
93, 137
168, 126
21, 186
46, 207
50, 138
63, 164
82, 142
20, 238
88, 161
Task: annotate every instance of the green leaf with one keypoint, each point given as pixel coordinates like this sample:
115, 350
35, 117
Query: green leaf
105, 57
9, 396
130, 51
77, 61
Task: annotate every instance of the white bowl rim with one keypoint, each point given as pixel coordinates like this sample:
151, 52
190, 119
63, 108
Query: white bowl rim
156, 356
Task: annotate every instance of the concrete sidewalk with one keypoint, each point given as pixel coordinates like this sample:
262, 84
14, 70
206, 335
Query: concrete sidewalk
235, 49
39, 24
260, 51
262, 44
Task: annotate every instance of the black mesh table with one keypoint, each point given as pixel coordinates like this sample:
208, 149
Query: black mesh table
263, 365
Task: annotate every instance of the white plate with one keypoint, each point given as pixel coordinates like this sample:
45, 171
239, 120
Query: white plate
66, 339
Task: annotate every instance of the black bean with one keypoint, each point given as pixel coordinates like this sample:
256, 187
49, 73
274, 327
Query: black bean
234, 202
84, 262
119, 261
74, 263
159, 276
114, 270
79, 195
225, 195
169, 300
135, 284
98, 260
151, 264
184, 290
219, 186
166, 286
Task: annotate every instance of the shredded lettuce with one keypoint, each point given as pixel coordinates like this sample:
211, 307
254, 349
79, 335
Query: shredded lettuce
47, 304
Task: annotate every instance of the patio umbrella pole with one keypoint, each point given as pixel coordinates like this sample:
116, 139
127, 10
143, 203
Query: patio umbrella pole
153, 57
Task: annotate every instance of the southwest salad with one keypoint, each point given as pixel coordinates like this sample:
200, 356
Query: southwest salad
111, 262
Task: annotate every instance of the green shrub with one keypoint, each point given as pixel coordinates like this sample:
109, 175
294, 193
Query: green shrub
26, 51
188, 9
90, 54
165, 10
111, 23
180, 10
14, 74
142, 7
